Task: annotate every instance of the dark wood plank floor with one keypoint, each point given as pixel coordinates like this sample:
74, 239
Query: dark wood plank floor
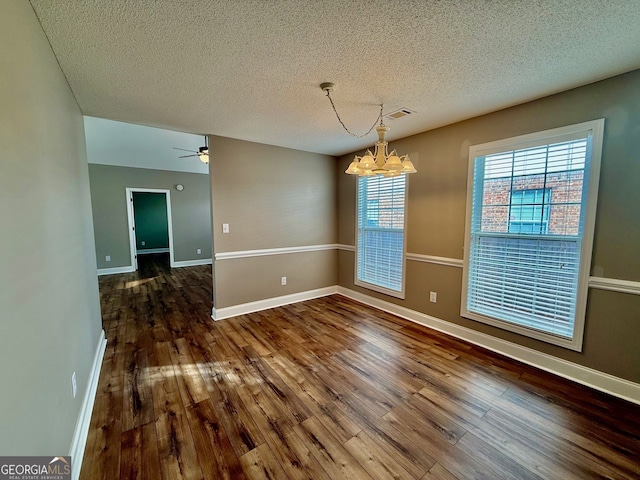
328, 389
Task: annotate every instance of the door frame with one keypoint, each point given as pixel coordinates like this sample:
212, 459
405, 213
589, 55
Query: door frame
132, 224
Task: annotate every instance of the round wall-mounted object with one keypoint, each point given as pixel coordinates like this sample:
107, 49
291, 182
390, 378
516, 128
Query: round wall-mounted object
179, 187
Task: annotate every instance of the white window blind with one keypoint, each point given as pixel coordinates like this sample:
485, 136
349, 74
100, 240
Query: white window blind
525, 265
380, 233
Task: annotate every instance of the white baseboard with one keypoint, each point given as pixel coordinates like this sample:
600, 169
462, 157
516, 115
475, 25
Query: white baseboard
244, 308
191, 263
81, 431
604, 382
129, 268
147, 251
115, 270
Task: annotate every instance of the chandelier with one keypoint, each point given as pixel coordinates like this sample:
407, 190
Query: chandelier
380, 162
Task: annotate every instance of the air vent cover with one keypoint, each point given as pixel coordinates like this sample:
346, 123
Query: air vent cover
402, 112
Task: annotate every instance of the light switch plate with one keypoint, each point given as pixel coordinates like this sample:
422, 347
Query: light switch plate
225, 228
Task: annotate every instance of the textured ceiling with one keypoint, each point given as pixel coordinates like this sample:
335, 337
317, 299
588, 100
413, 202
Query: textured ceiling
251, 69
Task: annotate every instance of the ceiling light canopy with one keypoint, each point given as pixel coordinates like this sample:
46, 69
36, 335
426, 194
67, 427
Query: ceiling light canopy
380, 162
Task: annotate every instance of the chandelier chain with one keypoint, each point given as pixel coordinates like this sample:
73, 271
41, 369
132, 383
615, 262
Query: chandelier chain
345, 127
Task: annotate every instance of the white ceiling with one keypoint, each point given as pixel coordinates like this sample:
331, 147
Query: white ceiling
251, 69
127, 145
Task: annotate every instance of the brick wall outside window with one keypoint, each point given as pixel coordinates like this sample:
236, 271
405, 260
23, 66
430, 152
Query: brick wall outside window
566, 194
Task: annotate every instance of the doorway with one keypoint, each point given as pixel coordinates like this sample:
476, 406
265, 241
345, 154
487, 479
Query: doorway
150, 227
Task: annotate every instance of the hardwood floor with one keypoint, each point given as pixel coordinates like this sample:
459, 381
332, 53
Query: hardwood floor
328, 389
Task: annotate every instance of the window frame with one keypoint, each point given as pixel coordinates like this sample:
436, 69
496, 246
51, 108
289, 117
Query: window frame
595, 128
372, 286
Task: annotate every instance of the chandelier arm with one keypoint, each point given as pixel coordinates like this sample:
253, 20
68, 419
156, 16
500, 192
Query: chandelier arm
345, 127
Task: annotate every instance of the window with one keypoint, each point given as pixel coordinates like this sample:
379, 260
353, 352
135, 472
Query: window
529, 211
529, 233
380, 234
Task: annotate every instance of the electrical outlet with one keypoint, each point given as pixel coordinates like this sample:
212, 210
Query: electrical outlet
108, 258
143, 243
283, 281
74, 387
225, 228
433, 297
199, 251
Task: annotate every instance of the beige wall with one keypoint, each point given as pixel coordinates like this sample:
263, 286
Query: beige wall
245, 280
436, 214
190, 211
271, 197
49, 309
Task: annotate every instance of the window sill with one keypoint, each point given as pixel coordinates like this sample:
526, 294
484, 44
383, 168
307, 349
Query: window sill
568, 343
379, 289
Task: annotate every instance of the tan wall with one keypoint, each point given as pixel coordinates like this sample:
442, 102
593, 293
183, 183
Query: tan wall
271, 197
436, 215
49, 310
258, 278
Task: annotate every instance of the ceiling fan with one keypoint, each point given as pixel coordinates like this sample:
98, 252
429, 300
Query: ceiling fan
202, 153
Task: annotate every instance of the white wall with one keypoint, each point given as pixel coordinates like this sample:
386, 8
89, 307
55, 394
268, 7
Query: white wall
128, 145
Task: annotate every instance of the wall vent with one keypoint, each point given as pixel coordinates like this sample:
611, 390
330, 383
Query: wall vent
402, 112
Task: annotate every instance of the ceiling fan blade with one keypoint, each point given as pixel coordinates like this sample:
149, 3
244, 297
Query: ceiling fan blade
184, 149
187, 156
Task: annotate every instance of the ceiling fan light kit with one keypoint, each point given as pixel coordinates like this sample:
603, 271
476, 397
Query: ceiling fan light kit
202, 153
380, 162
